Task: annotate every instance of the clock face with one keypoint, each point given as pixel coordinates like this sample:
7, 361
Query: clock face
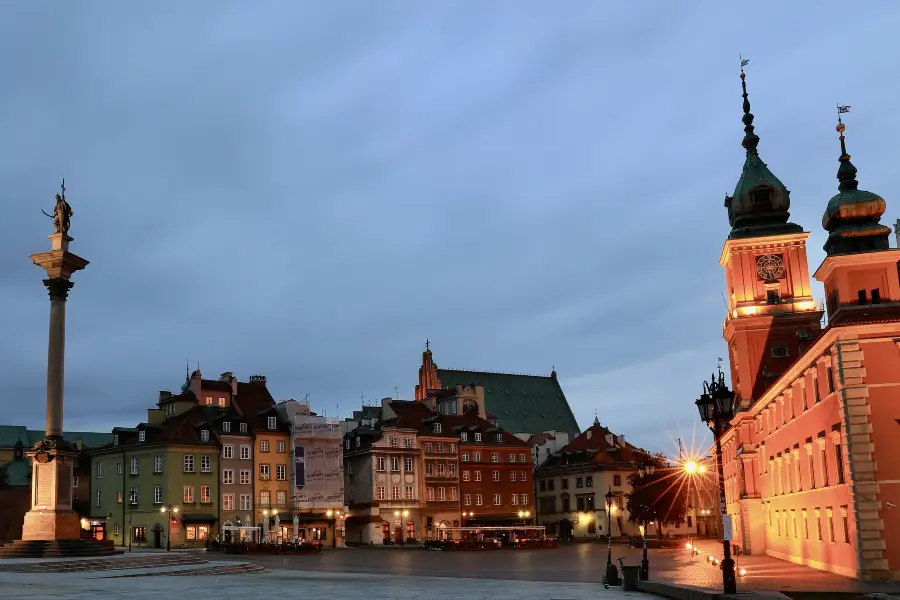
769, 267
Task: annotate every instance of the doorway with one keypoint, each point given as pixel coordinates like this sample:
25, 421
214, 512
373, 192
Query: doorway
157, 536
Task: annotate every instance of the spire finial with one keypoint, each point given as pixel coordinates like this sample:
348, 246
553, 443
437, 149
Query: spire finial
846, 172
62, 188
751, 140
427, 344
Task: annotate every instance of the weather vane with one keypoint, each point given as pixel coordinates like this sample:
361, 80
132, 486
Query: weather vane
841, 109
744, 62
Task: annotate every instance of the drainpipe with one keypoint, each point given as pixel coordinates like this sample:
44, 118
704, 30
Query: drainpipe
123, 498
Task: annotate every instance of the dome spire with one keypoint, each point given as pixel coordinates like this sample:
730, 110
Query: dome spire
846, 171
760, 204
751, 140
852, 217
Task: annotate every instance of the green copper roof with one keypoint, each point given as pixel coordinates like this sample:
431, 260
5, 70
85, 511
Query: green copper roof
10, 434
852, 217
761, 202
521, 403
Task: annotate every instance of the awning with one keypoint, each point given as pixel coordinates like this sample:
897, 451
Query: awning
198, 518
496, 519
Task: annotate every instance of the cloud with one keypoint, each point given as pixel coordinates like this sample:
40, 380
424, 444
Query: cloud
309, 191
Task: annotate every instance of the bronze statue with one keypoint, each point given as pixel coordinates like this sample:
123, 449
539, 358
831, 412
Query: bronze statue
62, 212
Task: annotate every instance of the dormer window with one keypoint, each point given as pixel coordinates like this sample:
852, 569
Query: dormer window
142, 436
464, 436
273, 422
204, 435
761, 199
499, 437
437, 428
243, 427
358, 441
116, 440
477, 436
226, 426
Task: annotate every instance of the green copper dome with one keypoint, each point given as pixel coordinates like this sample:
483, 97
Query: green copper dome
853, 216
761, 203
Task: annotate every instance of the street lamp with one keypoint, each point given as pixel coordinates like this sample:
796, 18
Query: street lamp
716, 407
266, 514
645, 470
405, 515
169, 510
524, 515
612, 573
333, 516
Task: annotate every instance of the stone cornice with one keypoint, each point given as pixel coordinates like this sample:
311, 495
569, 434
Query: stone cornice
849, 260
812, 355
762, 242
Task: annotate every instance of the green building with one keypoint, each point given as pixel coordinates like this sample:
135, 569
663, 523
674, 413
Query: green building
161, 472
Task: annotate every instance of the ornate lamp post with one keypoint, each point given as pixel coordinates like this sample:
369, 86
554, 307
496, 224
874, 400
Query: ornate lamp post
405, 515
612, 573
645, 470
169, 510
266, 514
333, 516
525, 515
716, 406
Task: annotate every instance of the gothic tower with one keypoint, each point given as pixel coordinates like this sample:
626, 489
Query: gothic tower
771, 312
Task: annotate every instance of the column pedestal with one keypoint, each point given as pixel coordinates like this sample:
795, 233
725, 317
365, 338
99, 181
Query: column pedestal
51, 516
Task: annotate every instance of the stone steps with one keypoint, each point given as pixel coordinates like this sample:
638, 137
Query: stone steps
233, 569
57, 548
114, 564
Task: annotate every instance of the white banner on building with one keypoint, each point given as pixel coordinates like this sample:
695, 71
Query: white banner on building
318, 463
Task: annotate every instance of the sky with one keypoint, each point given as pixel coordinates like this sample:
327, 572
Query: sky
309, 190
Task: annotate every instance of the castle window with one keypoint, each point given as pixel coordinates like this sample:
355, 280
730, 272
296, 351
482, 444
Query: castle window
876, 296
780, 351
861, 297
772, 297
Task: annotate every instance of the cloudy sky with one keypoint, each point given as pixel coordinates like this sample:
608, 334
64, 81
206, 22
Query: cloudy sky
309, 190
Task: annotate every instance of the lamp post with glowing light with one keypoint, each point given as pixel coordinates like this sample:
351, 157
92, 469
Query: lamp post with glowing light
266, 514
645, 470
612, 573
333, 517
169, 510
716, 406
405, 515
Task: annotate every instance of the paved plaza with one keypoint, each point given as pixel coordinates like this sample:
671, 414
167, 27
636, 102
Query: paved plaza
572, 572
584, 563
296, 583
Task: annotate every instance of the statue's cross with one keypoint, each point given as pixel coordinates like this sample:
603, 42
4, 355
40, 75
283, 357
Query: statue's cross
63, 188
427, 344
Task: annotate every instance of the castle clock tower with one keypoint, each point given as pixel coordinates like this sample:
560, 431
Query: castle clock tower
772, 315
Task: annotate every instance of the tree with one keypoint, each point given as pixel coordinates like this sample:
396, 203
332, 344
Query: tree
661, 497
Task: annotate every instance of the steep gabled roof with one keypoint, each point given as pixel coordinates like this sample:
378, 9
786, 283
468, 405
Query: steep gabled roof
593, 447
520, 403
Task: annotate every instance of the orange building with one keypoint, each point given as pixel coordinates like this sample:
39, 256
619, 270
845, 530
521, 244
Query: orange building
809, 456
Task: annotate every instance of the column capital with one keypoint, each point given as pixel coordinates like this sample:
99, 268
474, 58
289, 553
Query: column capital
58, 287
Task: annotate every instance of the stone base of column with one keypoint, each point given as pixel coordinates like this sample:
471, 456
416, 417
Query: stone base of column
51, 525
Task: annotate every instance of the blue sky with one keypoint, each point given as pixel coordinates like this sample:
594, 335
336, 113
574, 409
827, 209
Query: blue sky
310, 190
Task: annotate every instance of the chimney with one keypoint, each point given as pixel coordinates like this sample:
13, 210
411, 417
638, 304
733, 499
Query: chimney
226, 376
620, 440
610, 439
164, 395
258, 380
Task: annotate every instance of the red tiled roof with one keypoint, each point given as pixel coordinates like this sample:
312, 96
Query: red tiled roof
592, 447
215, 384
539, 438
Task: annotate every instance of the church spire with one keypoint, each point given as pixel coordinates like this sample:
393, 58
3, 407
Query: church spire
751, 140
853, 216
760, 204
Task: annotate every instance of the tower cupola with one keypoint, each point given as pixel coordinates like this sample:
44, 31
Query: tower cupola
852, 217
761, 202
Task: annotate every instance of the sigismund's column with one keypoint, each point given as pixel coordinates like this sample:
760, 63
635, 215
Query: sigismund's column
51, 516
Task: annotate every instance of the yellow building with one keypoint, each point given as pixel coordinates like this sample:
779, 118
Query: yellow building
272, 479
